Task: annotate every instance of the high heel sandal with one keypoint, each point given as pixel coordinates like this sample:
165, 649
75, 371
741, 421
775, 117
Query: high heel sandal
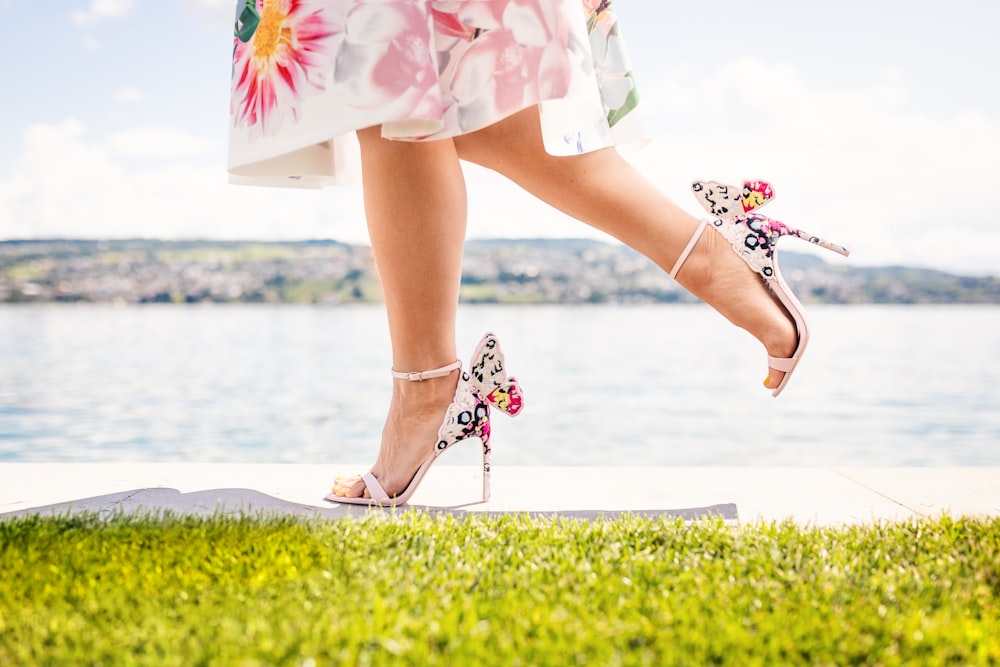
754, 237
485, 385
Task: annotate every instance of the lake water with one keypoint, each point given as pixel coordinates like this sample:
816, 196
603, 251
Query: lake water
604, 385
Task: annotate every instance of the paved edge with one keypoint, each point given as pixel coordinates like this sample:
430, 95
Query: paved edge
808, 496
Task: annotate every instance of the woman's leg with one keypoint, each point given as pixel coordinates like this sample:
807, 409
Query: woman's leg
415, 205
603, 190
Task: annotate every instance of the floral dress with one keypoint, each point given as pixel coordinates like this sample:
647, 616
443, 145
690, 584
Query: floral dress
308, 73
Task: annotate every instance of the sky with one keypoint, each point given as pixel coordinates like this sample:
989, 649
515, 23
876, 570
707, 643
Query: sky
877, 123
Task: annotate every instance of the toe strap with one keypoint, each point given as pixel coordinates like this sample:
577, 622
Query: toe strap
375, 489
782, 364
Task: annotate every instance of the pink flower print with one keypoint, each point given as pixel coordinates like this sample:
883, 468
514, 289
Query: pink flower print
482, 15
281, 62
501, 67
386, 58
450, 25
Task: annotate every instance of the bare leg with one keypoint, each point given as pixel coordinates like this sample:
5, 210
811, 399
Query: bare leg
415, 204
603, 190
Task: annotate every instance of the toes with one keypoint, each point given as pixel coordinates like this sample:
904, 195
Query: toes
359, 490
773, 378
349, 487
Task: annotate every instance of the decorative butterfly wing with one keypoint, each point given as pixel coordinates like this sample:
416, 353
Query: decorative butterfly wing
729, 202
489, 376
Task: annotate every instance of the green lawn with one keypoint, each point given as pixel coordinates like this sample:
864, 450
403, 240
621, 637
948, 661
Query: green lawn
414, 589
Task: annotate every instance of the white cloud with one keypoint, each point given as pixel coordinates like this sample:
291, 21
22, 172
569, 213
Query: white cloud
159, 142
128, 95
64, 185
102, 9
216, 12
864, 167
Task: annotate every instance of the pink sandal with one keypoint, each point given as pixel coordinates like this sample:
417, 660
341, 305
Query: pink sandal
754, 237
485, 384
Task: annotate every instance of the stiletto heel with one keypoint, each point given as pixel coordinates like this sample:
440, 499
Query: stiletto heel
467, 416
754, 237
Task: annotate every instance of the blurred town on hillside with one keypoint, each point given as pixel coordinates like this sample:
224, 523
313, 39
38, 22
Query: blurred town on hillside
563, 271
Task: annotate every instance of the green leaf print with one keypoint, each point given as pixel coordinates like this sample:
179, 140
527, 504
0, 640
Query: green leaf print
615, 115
246, 24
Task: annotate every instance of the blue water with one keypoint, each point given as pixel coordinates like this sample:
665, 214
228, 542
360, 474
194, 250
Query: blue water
605, 385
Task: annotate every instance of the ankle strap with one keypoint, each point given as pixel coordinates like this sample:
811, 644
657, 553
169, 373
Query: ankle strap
418, 376
687, 250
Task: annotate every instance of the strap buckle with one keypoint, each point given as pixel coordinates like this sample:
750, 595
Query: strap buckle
420, 376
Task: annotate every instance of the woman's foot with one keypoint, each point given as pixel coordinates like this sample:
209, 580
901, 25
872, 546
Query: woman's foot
722, 279
409, 436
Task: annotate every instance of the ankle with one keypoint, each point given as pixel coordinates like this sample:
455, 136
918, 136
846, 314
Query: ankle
702, 273
428, 392
416, 359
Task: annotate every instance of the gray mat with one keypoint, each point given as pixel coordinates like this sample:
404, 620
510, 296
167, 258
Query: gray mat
247, 502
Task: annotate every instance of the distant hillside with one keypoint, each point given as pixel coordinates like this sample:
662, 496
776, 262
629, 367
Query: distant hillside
494, 271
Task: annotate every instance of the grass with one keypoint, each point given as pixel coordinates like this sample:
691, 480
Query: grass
416, 589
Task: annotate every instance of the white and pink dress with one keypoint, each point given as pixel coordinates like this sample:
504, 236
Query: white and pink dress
308, 73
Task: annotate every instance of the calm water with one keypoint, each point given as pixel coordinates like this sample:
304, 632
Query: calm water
605, 385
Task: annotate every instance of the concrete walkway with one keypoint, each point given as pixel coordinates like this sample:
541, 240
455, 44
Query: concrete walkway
809, 496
